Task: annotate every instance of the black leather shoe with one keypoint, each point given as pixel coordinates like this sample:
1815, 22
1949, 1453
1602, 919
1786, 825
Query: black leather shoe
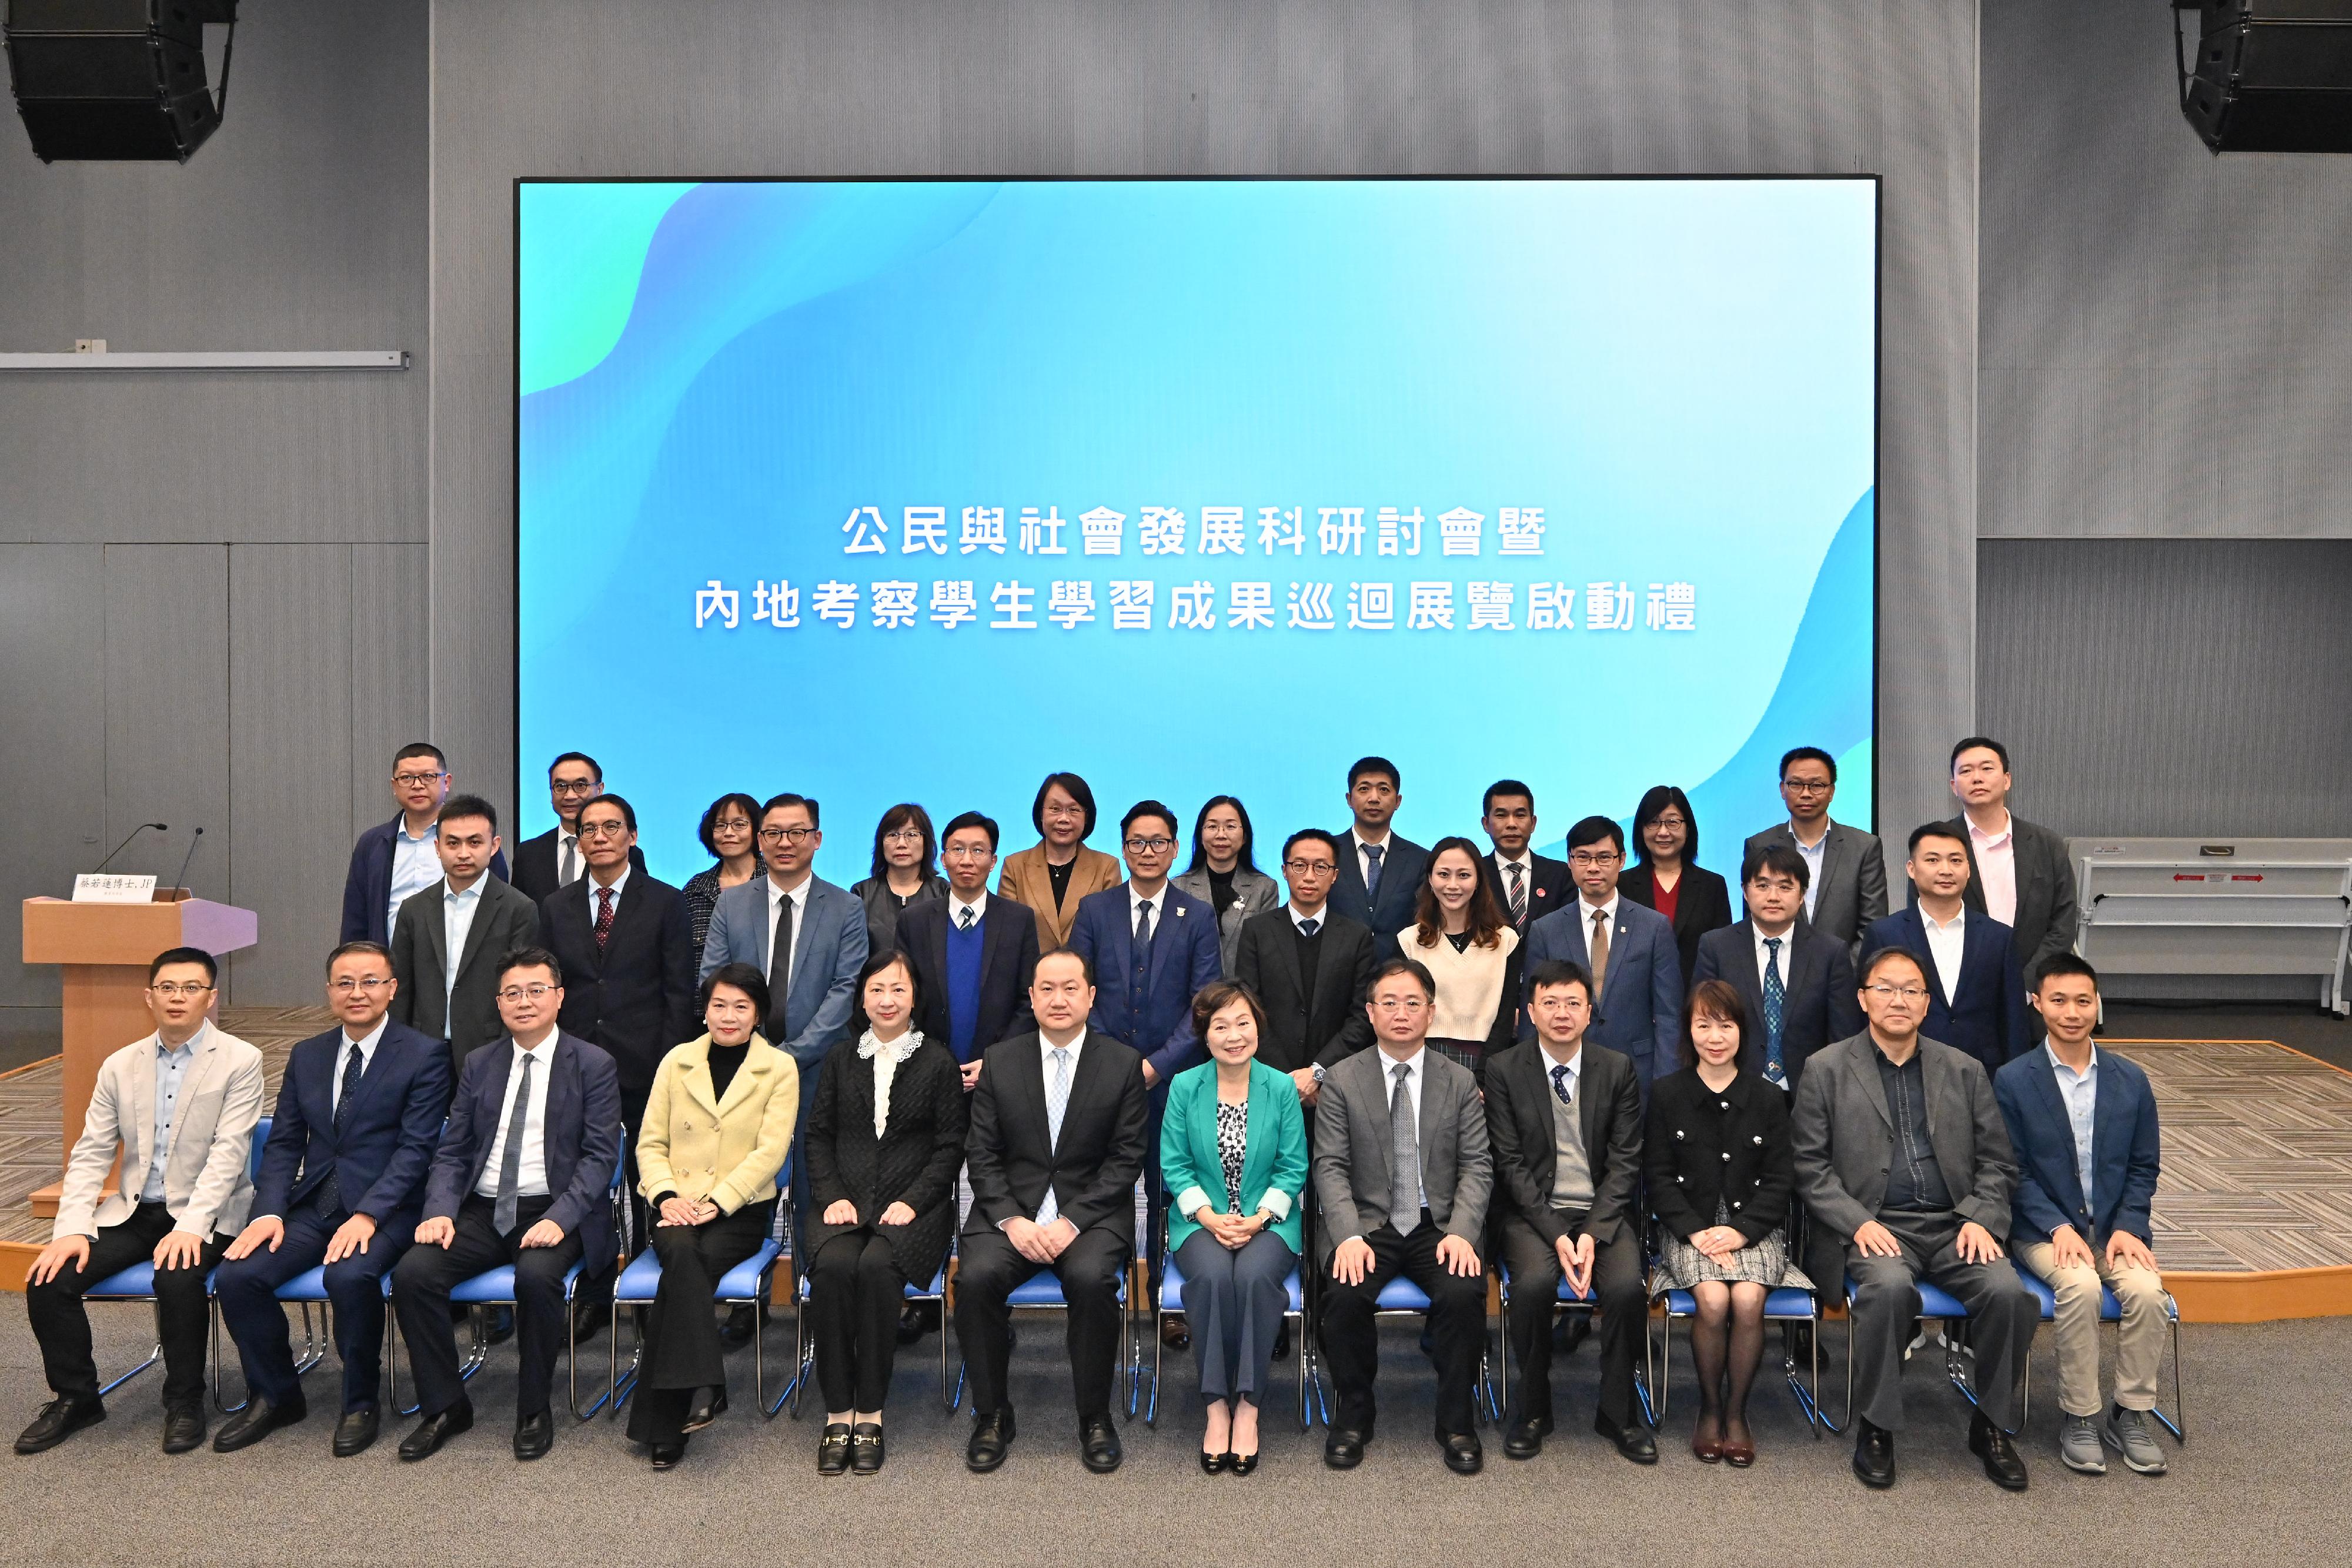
1214, 1464
1241, 1464
355, 1432
1524, 1440
2001, 1463
1098, 1444
1568, 1331
991, 1438
833, 1449
1463, 1455
1874, 1455
917, 1319
1634, 1441
184, 1428
710, 1404
589, 1321
742, 1323
865, 1449
255, 1421
60, 1418
426, 1439
534, 1435
502, 1327
1343, 1446
666, 1454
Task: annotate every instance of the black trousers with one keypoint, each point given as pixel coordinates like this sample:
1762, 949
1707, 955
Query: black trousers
248, 1290
1457, 1326
420, 1295
682, 1350
1535, 1286
855, 1291
2002, 1316
1233, 1300
990, 1270
182, 1314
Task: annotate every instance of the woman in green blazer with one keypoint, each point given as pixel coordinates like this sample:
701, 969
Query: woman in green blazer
1233, 1148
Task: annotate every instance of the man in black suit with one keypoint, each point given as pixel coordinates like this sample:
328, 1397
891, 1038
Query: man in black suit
1798, 982
523, 1177
1310, 967
448, 940
1057, 1145
1380, 871
1564, 1119
1528, 885
973, 957
2019, 873
556, 857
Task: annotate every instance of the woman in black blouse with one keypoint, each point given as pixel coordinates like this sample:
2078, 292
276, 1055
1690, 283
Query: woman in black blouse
729, 832
905, 870
885, 1140
1666, 875
1721, 1170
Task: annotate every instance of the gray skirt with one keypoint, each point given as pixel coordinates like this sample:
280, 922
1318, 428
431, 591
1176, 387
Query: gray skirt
1764, 1262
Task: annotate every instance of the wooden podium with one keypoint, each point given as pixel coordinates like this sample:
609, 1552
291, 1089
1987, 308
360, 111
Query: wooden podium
105, 949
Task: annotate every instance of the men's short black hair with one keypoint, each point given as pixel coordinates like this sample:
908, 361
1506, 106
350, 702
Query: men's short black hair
1312, 835
1979, 742
1777, 855
1935, 831
170, 956
777, 802
1413, 966
1592, 830
1365, 764
1085, 965
1077, 789
628, 812
1149, 808
469, 806
1505, 787
530, 958
372, 949
2059, 965
421, 749
1808, 754
577, 756
1558, 972
1878, 960
957, 824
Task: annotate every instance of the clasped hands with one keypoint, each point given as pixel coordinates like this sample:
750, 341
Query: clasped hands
1232, 1232
1040, 1243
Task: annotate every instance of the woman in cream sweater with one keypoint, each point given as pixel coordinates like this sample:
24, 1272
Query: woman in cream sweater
1466, 941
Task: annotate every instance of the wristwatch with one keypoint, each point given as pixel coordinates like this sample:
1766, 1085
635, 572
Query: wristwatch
1320, 1072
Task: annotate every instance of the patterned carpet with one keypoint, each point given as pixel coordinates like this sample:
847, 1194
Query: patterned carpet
2257, 1146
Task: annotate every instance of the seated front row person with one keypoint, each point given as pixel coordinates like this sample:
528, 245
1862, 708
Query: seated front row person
1057, 1145
2088, 1151
1402, 1174
1901, 1156
1564, 1116
1233, 1150
524, 1176
181, 1104
719, 1123
885, 1136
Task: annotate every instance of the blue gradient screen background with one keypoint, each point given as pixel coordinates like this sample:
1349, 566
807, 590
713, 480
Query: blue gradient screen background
723, 388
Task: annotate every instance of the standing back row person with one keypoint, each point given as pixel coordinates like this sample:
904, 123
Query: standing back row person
395, 860
1628, 950
1976, 995
904, 873
1797, 981
1667, 876
448, 939
730, 829
1379, 870
1310, 967
1224, 875
1058, 872
2018, 870
556, 858
1460, 935
1528, 885
971, 956
1845, 886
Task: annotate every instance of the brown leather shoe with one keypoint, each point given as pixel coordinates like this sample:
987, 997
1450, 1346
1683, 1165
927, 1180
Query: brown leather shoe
1707, 1439
1738, 1444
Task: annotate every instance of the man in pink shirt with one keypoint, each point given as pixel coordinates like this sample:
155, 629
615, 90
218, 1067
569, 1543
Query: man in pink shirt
2019, 873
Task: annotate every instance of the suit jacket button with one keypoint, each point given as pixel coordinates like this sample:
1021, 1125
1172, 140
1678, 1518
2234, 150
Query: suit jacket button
1678, 1180
1735, 1206
1678, 1134
1759, 1139
1727, 1156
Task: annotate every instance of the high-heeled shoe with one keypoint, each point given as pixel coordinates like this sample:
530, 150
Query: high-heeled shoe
1707, 1439
1241, 1464
1211, 1464
1739, 1452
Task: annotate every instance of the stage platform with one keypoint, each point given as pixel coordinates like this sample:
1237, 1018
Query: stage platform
2254, 1218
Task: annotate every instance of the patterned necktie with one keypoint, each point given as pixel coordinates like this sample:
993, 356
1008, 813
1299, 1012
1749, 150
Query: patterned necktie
1373, 852
604, 917
1775, 997
1058, 1100
502, 1208
963, 918
1404, 1156
1599, 949
1563, 1083
330, 1190
1519, 894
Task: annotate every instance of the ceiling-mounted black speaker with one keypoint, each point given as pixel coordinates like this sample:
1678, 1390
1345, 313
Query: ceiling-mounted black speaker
2269, 76
115, 79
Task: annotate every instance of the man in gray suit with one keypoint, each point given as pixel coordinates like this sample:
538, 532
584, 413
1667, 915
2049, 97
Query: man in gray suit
2018, 870
1402, 1176
1847, 889
811, 974
470, 914
1901, 1156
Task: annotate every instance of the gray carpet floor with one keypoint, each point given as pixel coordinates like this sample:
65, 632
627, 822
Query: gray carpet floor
2261, 1479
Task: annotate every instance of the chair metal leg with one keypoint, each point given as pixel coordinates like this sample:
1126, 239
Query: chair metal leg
392, 1365
790, 1391
219, 1404
2176, 1422
1298, 1341
624, 1378
478, 1344
1158, 1343
1666, 1368
949, 1399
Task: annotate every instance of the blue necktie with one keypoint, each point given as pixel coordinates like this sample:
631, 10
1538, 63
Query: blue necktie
1775, 997
330, 1189
1057, 1101
1372, 852
1563, 1085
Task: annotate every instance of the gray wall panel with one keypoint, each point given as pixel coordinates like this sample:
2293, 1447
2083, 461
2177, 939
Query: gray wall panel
389, 669
289, 735
53, 769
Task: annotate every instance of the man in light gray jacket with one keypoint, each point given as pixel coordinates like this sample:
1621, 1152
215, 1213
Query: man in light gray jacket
181, 1104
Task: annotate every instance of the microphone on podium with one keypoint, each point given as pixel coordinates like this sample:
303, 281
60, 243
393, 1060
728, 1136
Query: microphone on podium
181, 880
159, 827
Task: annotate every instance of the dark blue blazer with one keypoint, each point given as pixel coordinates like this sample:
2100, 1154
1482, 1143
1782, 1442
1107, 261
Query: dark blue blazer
388, 1139
1988, 1019
1400, 872
1156, 1020
2125, 1152
367, 886
584, 1139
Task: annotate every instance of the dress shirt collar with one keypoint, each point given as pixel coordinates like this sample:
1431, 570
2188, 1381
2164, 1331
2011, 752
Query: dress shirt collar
366, 1043
956, 906
1412, 1065
400, 830
1359, 843
1575, 1063
1982, 840
2067, 1075
472, 895
1523, 860
1960, 918
186, 1048
544, 1050
1046, 1051
588, 881
1322, 917
1158, 903
1815, 846
799, 895
1586, 909
1787, 937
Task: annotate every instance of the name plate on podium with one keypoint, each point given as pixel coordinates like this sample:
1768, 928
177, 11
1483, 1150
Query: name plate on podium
100, 888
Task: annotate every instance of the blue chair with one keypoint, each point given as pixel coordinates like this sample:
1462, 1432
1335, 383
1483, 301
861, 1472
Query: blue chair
1498, 1390
1399, 1298
137, 1283
1783, 1304
2111, 1311
1938, 1303
1041, 1291
1171, 1301
805, 1347
746, 1285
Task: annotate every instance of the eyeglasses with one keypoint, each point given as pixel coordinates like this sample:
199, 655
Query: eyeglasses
1063, 813
172, 988
1150, 846
1591, 858
902, 836
569, 787
1401, 1004
1310, 868
1898, 993
966, 852
1668, 823
417, 780
536, 992
778, 835
1807, 786
731, 825
371, 984
612, 829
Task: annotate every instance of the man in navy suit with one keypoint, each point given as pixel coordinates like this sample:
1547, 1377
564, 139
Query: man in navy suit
341, 1183
1380, 871
972, 960
395, 860
2088, 1154
1627, 950
1152, 946
1976, 996
524, 1176
1528, 885
1797, 981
